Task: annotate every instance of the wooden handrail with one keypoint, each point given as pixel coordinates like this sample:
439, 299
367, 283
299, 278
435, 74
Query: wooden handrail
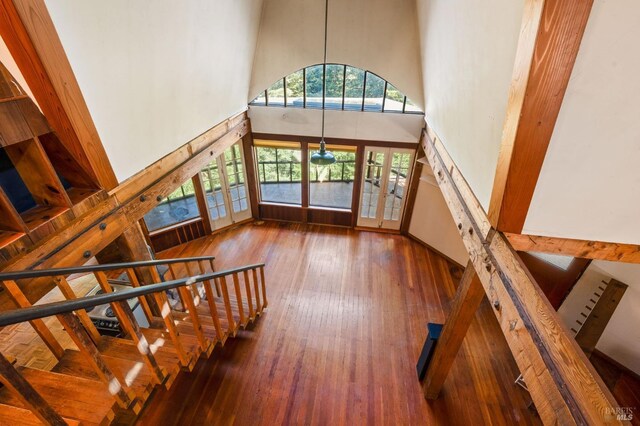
21, 275
55, 308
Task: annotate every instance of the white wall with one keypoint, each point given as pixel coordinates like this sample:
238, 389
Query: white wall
468, 50
432, 222
338, 124
155, 76
589, 187
12, 67
621, 337
376, 35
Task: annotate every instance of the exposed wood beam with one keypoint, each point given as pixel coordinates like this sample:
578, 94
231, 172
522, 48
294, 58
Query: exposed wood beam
549, 40
563, 385
127, 204
465, 304
31, 37
599, 250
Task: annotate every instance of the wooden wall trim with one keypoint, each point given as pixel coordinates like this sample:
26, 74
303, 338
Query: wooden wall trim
600, 250
126, 205
550, 37
563, 385
31, 37
334, 141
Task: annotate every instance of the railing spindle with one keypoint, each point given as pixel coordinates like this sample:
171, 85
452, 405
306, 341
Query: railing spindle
254, 273
236, 285
264, 288
130, 325
247, 287
124, 396
38, 325
215, 281
69, 294
146, 307
169, 322
213, 310
14, 381
227, 304
189, 305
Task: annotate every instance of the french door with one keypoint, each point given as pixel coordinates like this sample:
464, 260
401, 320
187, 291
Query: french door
226, 188
385, 180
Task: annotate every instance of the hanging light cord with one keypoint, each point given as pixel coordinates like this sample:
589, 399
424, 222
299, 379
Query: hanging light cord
324, 70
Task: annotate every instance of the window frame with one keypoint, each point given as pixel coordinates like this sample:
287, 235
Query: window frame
324, 91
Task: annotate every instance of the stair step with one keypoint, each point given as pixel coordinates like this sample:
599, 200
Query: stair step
189, 343
136, 374
10, 415
85, 400
163, 351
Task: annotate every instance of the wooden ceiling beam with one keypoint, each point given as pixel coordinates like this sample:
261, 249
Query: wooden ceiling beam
564, 386
597, 250
550, 37
30, 35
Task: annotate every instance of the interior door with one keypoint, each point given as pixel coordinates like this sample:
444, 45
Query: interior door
385, 178
226, 188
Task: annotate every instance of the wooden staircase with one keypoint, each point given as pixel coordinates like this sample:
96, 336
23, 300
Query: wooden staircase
107, 378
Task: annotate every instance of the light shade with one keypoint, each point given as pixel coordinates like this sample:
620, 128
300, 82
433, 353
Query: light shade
322, 157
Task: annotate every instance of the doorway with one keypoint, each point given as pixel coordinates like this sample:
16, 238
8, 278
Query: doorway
386, 173
226, 190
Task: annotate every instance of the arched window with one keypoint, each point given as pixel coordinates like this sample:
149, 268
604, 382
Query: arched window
336, 86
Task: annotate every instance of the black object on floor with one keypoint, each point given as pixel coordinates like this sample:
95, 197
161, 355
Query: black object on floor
433, 333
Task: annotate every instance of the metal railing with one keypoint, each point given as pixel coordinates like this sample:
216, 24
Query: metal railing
54, 272
55, 308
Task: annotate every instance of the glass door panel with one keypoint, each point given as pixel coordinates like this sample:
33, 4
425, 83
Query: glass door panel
372, 182
226, 188
385, 177
396, 189
236, 182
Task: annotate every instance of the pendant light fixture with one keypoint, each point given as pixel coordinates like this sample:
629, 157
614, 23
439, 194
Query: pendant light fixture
324, 157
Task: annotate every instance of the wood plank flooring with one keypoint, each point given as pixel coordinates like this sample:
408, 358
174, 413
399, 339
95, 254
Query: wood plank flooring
340, 339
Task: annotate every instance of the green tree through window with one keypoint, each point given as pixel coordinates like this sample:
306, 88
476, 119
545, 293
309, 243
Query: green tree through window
344, 88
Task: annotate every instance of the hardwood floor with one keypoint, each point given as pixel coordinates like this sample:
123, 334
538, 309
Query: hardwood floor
340, 339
